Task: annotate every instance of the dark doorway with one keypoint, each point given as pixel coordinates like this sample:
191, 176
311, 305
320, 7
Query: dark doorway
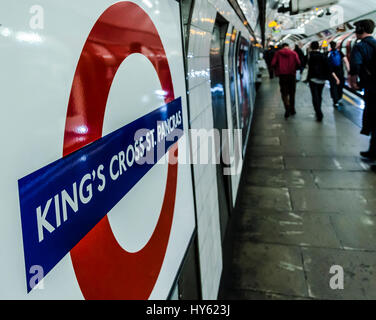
217, 76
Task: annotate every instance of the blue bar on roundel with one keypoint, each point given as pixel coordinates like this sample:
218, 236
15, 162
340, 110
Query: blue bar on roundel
63, 201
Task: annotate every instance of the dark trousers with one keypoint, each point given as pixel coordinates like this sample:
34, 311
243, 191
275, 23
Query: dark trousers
336, 91
369, 112
369, 118
287, 84
271, 72
316, 91
372, 144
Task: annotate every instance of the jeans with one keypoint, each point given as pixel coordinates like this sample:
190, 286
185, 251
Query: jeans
316, 91
287, 84
336, 91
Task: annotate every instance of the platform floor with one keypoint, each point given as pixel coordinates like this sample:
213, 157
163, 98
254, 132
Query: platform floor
308, 203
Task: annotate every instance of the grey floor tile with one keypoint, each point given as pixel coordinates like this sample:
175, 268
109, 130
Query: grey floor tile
266, 198
259, 295
324, 163
272, 109
368, 196
359, 273
345, 180
357, 231
313, 141
328, 131
268, 268
266, 162
323, 146
280, 178
277, 151
265, 141
333, 149
339, 201
300, 229
268, 131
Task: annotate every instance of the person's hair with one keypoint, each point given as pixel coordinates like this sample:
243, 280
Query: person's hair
285, 45
364, 26
333, 45
315, 45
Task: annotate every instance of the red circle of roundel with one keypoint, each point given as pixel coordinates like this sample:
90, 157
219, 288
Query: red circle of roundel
103, 269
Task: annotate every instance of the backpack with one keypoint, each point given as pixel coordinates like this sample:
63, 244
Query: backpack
335, 59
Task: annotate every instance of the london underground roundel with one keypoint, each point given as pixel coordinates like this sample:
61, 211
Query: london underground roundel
64, 205
124, 275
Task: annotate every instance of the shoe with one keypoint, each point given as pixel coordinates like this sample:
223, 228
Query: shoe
335, 106
287, 114
293, 113
319, 118
368, 154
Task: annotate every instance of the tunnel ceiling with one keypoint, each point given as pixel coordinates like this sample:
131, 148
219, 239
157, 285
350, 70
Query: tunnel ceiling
250, 12
313, 21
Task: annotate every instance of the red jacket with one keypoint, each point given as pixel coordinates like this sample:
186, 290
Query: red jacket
286, 62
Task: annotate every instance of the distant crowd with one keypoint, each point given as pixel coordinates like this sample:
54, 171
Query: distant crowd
288, 64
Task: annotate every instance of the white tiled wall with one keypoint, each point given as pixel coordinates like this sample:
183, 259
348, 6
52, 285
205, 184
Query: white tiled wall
201, 116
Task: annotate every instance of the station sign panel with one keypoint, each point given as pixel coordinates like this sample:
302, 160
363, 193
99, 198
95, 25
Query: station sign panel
113, 215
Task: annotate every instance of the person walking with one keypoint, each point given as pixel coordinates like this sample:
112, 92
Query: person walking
268, 56
303, 61
337, 60
285, 63
318, 74
363, 67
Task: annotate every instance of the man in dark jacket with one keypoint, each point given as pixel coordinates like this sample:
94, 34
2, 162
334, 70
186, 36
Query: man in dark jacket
318, 73
285, 63
268, 56
302, 59
362, 66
